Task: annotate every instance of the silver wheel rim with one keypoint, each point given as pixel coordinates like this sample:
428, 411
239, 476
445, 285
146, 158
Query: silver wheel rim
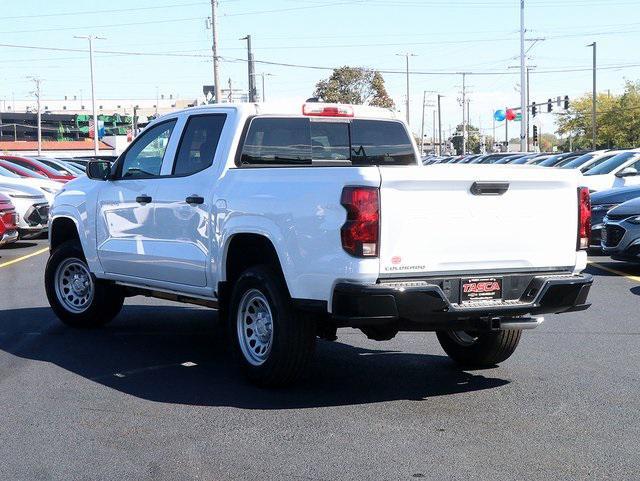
255, 327
463, 338
74, 285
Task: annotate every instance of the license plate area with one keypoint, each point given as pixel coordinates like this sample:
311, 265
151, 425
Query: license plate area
476, 289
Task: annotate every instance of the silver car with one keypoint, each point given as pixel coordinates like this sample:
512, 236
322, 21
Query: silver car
621, 232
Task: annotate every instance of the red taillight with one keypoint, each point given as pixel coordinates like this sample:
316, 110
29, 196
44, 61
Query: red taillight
327, 110
584, 218
360, 232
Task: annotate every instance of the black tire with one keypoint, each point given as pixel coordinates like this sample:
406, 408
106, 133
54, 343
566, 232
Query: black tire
102, 307
487, 350
292, 337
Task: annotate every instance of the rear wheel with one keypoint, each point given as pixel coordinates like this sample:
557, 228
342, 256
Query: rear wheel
272, 343
75, 295
479, 349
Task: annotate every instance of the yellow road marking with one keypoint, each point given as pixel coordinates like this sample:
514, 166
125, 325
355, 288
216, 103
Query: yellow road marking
19, 259
613, 271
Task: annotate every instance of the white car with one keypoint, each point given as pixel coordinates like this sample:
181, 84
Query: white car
618, 171
31, 207
48, 187
297, 220
590, 159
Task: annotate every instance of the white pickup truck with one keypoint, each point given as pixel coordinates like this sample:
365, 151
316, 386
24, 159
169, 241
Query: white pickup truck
296, 221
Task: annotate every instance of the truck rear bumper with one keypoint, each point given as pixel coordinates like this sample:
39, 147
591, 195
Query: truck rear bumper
423, 305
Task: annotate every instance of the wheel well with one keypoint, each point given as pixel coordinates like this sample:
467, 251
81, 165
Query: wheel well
63, 229
246, 250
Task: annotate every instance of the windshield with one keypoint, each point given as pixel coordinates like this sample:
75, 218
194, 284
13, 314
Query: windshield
578, 161
612, 164
590, 165
7, 173
551, 161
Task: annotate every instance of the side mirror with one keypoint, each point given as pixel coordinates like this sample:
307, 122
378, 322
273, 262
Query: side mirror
627, 172
99, 169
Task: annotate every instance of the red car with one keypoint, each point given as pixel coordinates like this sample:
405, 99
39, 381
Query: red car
37, 167
8, 221
21, 171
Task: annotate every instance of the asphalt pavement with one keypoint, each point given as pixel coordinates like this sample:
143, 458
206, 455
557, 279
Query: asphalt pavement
153, 396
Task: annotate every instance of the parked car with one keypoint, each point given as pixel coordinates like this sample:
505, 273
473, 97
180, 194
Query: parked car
601, 203
296, 221
38, 167
621, 232
8, 221
557, 159
31, 206
620, 170
491, 158
521, 160
588, 161
64, 168
49, 187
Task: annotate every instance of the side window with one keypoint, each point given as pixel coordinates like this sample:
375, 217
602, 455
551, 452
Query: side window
277, 141
330, 141
198, 144
375, 142
144, 158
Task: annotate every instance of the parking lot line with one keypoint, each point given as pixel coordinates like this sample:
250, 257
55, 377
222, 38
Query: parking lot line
19, 259
613, 271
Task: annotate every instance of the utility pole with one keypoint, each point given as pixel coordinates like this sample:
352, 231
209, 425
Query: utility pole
595, 97
214, 50
506, 132
251, 70
36, 92
464, 107
528, 101
523, 85
406, 56
424, 101
433, 137
96, 130
439, 126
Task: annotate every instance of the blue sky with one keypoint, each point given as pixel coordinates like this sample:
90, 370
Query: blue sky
446, 36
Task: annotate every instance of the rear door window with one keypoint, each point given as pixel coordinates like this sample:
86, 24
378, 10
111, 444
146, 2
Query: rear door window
312, 141
198, 144
277, 141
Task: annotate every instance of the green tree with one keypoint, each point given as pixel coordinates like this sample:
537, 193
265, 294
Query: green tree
354, 85
473, 139
618, 120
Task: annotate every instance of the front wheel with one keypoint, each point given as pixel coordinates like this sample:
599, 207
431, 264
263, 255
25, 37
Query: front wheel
479, 349
272, 343
74, 294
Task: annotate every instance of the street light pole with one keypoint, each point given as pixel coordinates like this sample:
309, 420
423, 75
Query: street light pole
464, 117
251, 69
214, 50
595, 98
91, 38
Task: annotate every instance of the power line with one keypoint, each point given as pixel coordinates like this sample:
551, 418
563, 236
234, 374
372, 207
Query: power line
103, 12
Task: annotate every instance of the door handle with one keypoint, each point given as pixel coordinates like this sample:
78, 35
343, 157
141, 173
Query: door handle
143, 199
194, 199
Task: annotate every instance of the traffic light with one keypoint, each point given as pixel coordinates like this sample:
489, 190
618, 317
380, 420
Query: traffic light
566, 102
534, 109
535, 134
549, 106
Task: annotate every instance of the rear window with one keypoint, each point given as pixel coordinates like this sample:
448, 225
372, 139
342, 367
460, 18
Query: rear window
304, 141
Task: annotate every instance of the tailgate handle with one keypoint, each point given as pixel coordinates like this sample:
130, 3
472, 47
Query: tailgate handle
489, 188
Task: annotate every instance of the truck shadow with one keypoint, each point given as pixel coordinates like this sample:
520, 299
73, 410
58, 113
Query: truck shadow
175, 355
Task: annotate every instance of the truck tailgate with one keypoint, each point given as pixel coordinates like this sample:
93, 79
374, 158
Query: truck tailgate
432, 223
